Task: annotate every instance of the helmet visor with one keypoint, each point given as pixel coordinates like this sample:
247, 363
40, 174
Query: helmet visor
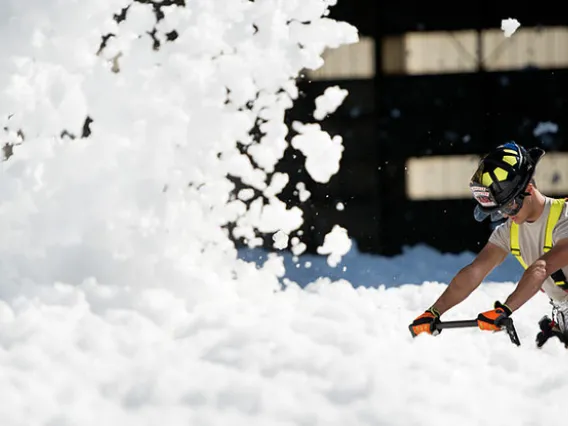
480, 215
486, 204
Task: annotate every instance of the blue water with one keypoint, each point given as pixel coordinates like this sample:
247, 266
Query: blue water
416, 265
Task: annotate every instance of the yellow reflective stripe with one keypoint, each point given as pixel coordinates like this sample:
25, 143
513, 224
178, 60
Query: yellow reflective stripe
553, 216
552, 220
515, 246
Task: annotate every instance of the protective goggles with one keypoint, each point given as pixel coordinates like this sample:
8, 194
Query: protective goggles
489, 206
514, 206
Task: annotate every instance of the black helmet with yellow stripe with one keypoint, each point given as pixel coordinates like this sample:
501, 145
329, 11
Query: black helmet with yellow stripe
501, 178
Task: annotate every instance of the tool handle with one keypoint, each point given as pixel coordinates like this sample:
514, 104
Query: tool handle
456, 324
506, 323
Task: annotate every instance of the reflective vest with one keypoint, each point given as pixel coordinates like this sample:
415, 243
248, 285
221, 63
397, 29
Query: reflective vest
553, 216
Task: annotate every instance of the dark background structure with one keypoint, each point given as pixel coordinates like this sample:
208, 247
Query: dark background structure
393, 116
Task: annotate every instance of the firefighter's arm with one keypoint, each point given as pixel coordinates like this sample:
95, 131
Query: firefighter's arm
535, 275
470, 277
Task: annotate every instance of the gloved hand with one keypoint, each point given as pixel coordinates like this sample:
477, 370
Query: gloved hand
492, 320
548, 329
426, 323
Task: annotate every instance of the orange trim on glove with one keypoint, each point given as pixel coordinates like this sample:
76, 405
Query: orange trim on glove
425, 323
491, 320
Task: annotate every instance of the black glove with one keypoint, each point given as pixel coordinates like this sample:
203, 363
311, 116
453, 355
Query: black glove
548, 329
426, 323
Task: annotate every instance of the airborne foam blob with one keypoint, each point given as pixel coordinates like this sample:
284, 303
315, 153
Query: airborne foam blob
509, 26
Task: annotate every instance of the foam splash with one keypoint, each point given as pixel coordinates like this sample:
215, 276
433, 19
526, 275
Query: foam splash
509, 26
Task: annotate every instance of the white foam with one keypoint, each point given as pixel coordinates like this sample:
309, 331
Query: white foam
336, 244
509, 26
328, 102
